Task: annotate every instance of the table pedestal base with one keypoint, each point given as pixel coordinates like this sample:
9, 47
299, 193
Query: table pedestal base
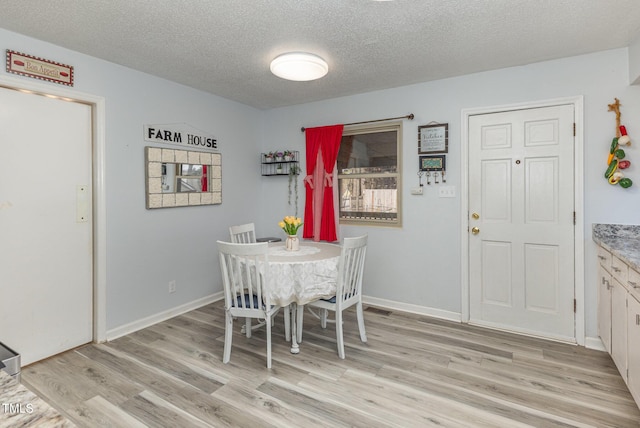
293, 309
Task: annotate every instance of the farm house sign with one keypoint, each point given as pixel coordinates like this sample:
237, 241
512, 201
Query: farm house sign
180, 134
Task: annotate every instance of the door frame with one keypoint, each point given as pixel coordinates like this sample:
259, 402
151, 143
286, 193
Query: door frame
98, 147
578, 201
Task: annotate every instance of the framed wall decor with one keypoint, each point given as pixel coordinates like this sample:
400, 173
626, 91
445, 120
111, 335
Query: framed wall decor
433, 138
182, 178
432, 163
39, 68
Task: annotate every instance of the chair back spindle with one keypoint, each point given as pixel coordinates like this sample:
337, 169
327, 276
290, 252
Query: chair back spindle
243, 234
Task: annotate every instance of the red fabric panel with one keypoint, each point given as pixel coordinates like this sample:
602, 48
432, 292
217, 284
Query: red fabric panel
204, 180
313, 147
330, 148
322, 141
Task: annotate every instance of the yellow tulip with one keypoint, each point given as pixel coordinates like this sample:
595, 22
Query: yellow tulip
290, 224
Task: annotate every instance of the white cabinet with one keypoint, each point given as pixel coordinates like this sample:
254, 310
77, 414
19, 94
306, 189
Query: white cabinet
619, 316
619, 327
633, 357
604, 307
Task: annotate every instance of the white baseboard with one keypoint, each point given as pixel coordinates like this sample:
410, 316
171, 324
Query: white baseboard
590, 342
414, 309
594, 343
162, 316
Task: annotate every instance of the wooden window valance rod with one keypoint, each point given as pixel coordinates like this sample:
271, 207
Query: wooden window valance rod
409, 116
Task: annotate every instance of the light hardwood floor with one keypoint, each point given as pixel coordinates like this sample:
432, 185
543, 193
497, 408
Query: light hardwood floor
415, 371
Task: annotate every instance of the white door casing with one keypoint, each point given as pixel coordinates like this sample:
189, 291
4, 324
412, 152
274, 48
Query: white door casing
521, 185
46, 250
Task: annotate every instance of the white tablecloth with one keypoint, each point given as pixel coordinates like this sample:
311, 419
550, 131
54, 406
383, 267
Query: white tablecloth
302, 276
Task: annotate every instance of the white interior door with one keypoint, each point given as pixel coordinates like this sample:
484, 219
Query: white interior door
45, 224
521, 215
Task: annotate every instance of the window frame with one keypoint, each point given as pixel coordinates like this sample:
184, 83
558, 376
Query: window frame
371, 128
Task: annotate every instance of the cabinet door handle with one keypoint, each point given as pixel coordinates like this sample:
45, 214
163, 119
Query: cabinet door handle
601, 257
637, 319
615, 268
633, 284
608, 283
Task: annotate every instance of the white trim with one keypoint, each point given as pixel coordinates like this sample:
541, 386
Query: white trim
99, 222
594, 343
98, 183
524, 332
414, 309
162, 316
578, 103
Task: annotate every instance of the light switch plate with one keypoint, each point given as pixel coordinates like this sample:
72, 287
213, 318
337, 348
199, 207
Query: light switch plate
447, 191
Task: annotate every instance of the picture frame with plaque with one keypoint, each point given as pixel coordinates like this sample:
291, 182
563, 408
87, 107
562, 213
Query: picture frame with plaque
433, 138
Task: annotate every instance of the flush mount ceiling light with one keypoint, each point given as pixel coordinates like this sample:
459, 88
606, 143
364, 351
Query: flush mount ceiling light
299, 66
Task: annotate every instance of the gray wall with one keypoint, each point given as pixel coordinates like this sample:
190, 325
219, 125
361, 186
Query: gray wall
148, 248
420, 264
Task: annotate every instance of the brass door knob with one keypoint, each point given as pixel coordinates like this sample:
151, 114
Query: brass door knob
475, 230
475, 216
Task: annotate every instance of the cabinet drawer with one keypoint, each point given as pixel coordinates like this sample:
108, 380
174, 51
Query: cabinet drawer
620, 271
604, 257
634, 283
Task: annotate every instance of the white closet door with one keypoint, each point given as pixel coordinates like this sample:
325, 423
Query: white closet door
46, 285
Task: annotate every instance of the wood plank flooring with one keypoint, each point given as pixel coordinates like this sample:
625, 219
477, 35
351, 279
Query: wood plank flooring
415, 371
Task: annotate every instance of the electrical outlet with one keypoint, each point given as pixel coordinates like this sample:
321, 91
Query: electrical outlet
172, 286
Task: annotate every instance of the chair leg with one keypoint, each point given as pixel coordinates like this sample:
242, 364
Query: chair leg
228, 336
299, 319
248, 326
339, 335
268, 345
287, 323
324, 313
360, 314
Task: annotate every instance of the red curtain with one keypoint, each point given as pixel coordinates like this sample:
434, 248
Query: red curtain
205, 179
323, 144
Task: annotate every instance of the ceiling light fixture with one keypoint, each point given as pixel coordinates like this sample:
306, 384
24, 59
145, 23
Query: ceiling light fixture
299, 66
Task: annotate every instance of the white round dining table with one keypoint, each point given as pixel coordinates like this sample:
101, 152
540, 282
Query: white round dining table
300, 277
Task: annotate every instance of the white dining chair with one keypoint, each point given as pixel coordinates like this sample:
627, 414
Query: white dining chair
348, 290
246, 234
243, 233
245, 274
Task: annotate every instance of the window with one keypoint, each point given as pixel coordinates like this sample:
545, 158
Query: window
369, 166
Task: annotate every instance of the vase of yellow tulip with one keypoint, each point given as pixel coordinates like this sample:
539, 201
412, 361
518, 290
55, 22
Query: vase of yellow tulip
290, 225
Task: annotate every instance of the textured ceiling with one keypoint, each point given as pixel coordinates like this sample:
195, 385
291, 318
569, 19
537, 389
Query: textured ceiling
224, 46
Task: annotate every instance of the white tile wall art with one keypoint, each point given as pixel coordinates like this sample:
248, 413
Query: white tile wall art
182, 178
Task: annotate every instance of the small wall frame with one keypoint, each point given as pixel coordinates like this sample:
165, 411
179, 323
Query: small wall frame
432, 163
161, 194
433, 138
